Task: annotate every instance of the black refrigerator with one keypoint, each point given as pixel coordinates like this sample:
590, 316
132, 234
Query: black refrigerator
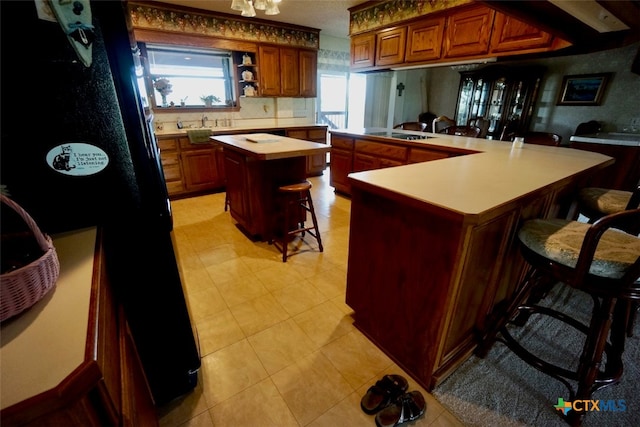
77, 150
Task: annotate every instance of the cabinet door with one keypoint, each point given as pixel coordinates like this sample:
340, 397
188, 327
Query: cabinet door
390, 46
341, 166
364, 162
269, 70
235, 169
510, 34
308, 73
468, 32
424, 40
363, 50
289, 72
200, 169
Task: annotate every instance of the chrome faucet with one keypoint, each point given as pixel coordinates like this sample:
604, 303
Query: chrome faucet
204, 120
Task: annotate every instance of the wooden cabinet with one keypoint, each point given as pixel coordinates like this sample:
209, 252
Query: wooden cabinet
390, 45
362, 153
512, 35
369, 155
363, 50
89, 373
424, 40
237, 188
269, 57
624, 174
190, 168
341, 162
308, 73
502, 95
317, 163
468, 32
289, 72
171, 165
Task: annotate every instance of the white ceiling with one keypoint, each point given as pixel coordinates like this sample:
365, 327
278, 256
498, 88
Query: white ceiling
329, 16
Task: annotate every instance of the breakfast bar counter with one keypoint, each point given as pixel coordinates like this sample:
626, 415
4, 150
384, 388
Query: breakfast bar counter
431, 246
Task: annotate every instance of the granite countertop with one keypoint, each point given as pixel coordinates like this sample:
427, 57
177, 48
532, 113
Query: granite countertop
471, 184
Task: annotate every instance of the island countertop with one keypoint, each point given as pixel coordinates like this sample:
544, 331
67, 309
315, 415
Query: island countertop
279, 147
433, 253
492, 174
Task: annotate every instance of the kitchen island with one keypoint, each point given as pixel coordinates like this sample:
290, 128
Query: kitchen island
254, 172
432, 250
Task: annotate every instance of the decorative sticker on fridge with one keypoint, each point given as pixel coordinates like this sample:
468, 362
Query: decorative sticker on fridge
77, 159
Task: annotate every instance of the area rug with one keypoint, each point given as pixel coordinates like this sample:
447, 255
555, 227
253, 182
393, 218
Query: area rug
501, 390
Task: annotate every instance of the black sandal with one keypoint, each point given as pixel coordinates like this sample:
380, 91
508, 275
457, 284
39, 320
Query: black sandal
383, 392
408, 407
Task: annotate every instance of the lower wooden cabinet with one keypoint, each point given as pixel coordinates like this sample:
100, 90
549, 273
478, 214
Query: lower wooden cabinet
356, 154
318, 163
190, 168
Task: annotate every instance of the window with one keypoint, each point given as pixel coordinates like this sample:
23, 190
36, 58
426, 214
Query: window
189, 77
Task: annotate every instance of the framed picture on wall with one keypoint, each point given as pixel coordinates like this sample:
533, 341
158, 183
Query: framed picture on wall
583, 89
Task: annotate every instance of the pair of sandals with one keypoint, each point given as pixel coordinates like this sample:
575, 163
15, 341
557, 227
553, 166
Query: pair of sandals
393, 405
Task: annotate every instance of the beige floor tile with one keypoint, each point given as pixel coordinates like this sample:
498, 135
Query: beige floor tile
331, 282
217, 254
279, 276
236, 292
258, 314
324, 323
233, 269
205, 303
311, 387
257, 406
299, 297
281, 345
218, 331
229, 371
357, 359
197, 279
347, 413
183, 408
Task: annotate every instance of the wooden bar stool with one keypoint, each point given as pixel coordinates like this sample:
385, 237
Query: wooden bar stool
600, 259
296, 200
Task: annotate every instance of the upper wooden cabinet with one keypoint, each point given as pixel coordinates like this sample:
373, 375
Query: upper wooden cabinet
308, 73
363, 50
390, 45
468, 32
510, 34
287, 71
269, 60
424, 40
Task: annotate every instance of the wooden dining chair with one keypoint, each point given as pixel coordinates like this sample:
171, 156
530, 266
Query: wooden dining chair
537, 138
471, 131
419, 126
442, 122
587, 128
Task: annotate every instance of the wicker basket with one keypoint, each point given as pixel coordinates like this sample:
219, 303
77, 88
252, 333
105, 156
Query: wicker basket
26, 285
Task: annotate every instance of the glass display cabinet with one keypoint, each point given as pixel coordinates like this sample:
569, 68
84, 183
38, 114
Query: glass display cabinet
504, 96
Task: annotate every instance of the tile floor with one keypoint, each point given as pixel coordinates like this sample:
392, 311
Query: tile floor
277, 342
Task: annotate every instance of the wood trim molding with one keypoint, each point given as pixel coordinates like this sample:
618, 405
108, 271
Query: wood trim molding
186, 21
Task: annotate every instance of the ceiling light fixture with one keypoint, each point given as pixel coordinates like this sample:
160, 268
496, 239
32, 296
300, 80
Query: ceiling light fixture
249, 7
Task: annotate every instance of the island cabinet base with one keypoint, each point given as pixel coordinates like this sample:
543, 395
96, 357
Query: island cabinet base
423, 281
252, 190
